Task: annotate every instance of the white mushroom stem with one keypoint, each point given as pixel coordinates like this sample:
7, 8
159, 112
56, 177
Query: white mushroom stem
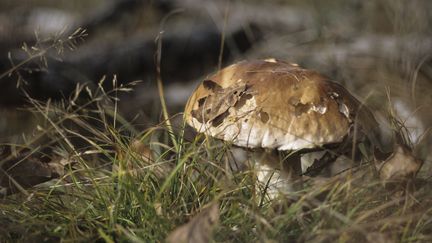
276, 176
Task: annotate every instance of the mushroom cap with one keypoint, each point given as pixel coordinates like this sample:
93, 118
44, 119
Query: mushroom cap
276, 105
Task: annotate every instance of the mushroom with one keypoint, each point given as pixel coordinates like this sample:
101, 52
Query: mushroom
272, 105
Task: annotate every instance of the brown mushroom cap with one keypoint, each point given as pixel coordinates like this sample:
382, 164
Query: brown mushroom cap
274, 104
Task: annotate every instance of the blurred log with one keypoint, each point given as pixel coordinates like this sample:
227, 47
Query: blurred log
183, 57
19, 24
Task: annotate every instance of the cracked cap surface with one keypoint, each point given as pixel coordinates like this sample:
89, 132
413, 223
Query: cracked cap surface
275, 104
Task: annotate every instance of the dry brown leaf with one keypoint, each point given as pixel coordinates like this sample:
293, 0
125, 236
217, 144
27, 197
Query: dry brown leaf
143, 150
199, 229
400, 165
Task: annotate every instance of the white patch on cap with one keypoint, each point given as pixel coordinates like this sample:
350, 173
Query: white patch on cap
250, 135
273, 60
268, 140
230, 132
344, 109
319, 108
334, 94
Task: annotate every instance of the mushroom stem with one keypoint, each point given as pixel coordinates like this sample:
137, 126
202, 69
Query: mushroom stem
276, 175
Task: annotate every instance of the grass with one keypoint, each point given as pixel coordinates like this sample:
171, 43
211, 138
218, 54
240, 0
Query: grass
110, 192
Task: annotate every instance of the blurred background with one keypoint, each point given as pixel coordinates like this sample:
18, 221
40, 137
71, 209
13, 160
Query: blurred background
380, 50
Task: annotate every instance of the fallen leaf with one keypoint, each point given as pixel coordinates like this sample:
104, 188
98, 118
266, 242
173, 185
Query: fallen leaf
400, 165
199, 229
143, 150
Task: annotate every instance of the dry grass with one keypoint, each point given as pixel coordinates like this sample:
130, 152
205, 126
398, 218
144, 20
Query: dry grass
146, 197
124, 185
